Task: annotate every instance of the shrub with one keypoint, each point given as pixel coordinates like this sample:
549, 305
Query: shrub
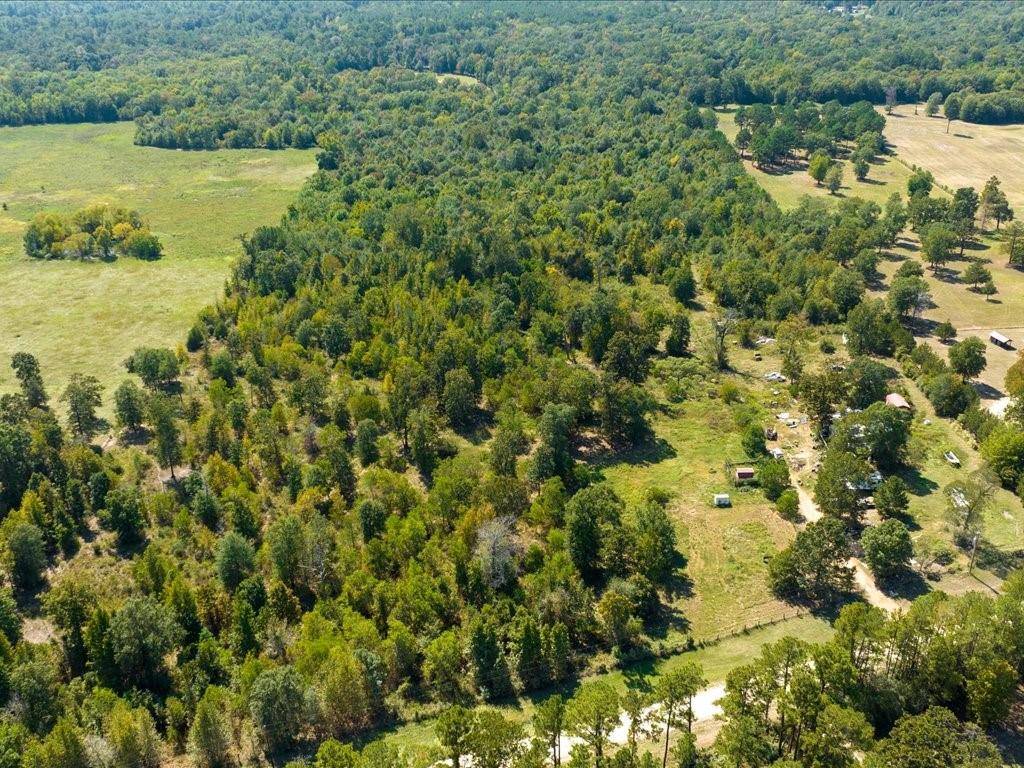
788, 505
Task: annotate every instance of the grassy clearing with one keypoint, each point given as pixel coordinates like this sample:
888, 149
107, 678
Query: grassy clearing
726, 549
88, 317
887, 175
460, 79
970, 312
965, 156
928, 506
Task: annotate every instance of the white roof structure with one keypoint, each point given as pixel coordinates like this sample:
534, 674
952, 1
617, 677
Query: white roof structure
896, 400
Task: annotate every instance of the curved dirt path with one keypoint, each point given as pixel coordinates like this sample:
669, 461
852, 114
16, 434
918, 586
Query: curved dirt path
861, 575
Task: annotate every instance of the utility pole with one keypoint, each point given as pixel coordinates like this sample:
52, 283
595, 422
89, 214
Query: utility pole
974, 553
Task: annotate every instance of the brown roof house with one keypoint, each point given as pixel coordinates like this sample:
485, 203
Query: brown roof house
743, 475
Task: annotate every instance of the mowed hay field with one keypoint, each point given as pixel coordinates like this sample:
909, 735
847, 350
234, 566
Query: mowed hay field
788, 187
971, 313
88, 317
967, 156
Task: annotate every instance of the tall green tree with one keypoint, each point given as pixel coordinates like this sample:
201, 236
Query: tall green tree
26, 369
83, 397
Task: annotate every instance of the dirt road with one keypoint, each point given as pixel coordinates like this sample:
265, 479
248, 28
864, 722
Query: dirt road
861, 575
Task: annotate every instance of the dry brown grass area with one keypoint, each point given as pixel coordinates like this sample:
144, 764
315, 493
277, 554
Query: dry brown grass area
966, 156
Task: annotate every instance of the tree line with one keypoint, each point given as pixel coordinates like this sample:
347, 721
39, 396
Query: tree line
273, 79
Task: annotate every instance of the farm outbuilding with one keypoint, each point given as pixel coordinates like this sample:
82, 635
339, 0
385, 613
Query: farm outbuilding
744, 475
1000, 340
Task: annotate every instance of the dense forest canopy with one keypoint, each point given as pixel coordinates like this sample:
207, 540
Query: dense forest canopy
361, 485
225, 74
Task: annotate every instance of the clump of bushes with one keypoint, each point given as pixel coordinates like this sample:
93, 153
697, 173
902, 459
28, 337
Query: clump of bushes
98, 232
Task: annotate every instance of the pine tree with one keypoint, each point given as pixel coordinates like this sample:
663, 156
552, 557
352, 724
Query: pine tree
558, 651
531, 666
26, 369
209, 739
490, 670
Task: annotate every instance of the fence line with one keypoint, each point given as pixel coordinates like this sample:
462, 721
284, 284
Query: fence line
663, 650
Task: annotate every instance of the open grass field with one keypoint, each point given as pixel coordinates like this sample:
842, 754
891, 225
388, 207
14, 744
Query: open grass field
971, 313
1004, 518
788, 187
965, 156
726, 548
88, 317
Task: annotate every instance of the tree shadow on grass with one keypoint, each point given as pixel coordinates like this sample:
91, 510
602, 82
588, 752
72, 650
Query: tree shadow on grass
135, 437
670, 619
638, 677
998, 561
922, 326
479, 429
908, 520
946, 275
907, 585
791, 166
649, 452
917, 484
680, 585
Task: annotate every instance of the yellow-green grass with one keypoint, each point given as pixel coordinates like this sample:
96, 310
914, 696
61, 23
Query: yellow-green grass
968, 155
788, 188
1003, 519
971, 313
460, 79
726, 549
88, 317
420, 743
